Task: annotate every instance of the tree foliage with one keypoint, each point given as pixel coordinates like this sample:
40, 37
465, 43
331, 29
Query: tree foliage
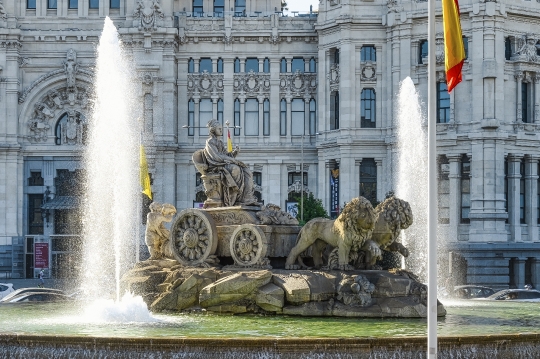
313, 208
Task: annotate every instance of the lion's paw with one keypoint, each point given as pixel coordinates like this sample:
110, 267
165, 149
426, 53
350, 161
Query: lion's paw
346, 267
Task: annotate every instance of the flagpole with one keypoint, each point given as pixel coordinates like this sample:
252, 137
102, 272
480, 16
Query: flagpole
432, 190
139, 212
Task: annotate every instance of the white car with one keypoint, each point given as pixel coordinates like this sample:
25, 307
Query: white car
5, 289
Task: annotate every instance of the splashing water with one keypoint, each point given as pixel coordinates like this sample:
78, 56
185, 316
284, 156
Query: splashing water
129, 309
411, 181
112, 178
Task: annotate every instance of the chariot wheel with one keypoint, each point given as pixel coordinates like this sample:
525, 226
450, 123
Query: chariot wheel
193, 237
248, 245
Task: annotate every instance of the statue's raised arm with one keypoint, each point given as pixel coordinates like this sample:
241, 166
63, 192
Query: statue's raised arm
228, 181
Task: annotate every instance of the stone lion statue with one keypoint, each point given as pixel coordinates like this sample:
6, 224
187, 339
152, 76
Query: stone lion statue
351, 230
156, 235
392, 215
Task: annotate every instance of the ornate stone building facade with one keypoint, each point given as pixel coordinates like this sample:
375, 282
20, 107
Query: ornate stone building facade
304, 92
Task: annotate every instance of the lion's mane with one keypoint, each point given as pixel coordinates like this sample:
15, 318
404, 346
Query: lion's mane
348, 220
396, 212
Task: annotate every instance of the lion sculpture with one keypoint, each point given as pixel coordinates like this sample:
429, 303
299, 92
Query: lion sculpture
351, 230
393, 215
156, 235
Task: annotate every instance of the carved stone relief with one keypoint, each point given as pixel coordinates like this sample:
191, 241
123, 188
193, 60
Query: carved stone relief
298, 84
70, 68
439, 48
333, 76
369, 72
205, 84
3, 13
252, 83
148, 12
72, 129
527, 49
45, 110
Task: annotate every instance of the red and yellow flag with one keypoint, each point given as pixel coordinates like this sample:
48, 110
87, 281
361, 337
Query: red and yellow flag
454, 51
145, 176
229, 141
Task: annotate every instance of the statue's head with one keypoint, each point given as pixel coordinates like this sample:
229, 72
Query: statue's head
214, 127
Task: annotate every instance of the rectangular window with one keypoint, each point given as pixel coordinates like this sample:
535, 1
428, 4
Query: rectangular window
368, 53
73, 4
443, 103
297, 64
334, 110
312, 117
297, 117
93, 4
239, 7
266, 117
336, 56
30, 4
205, 64
251, 117
422, 51
197, 8
508, 48
297, 177
465, 189
205, 115
252, 64
35, 221
237, 117
466, 46
368, 179
219, 7
114, 4
191, 118
283, 66
220, 111
367, 108
283, 118
52, 4
35, 179
525, 102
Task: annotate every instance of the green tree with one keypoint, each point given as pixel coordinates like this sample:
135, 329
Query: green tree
313, 208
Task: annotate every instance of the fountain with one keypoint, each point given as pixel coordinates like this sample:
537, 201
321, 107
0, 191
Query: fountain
371, 313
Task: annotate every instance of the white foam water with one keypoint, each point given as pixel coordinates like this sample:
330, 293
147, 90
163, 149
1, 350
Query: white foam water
128, 309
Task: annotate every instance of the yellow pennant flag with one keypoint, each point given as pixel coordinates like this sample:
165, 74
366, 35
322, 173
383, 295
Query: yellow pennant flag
454, 51
229, 141
145, 177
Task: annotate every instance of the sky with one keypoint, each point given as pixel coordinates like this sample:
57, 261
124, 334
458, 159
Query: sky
302, 5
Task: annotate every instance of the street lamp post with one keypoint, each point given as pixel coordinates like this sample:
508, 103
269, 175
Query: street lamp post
302, 180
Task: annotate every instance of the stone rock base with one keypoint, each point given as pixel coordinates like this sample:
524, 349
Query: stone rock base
167, 286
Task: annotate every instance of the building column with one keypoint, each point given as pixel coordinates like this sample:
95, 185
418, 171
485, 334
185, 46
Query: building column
454, 195
514, 177
380, 193
288, 125
519, 272
519, 78
531, 194
196, 100
535, 273
536, 79
260, 99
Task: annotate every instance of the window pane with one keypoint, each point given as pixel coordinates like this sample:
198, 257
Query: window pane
191, 117
191, 66
266, 118
239, 5
31, 4
312, 65
197, 7
283, 66
220, 65
205, 65
237, 117
312, 117
73, 4
93, 4
251, 117
297, 117
367, 108
114, 4
205, 115
51, 4
367, 53
368, 179
219, 7
443, 103
252, 64
297, 65
423, 51
236, 65
266, 65
283, 118
220, 111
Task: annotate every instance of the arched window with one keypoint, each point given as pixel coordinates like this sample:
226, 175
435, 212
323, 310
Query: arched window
70, 129
191, 65
312, 116
368, 53
220, 111
367, 108
237, 117
312, 65
266, 65
266, 117
283, 117
220, 65
205, 64
191, 118
237, 65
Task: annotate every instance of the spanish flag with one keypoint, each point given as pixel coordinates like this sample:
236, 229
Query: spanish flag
454, 51
145, 177
229, 141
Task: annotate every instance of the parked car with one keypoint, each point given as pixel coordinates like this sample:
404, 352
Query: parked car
520, 295
471, 291
39, 297
28, 290
5, 289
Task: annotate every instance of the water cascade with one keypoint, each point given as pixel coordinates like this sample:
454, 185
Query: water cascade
112, 178
411, 174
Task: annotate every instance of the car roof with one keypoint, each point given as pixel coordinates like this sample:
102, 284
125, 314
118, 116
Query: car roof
26, 290
506, 291
471, 286
24, 295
